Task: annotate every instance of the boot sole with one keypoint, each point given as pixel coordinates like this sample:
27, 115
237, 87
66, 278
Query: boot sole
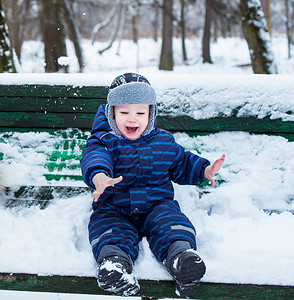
117, 281
190, 273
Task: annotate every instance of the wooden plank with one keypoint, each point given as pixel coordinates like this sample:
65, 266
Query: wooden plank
69, 106
41, 196
149, 288
54, 91
171, 123
10, 130
46, 120
248, 124
58, 105
58, 177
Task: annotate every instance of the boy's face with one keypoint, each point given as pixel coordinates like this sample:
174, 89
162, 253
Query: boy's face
131, 120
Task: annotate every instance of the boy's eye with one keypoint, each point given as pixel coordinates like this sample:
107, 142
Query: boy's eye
124, 112
141, 113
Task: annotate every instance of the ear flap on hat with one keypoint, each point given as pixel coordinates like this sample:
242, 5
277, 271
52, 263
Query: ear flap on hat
109, 114
106, 110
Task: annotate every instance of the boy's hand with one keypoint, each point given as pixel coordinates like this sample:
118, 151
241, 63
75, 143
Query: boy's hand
211, 170
101, 182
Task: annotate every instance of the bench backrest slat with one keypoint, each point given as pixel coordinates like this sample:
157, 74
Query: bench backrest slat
65, 106
54, 91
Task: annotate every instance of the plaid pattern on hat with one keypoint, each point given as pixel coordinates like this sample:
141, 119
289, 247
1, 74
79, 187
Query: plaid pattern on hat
126, 78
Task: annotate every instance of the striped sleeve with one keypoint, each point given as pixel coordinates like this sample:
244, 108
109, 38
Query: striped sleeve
96, 159
188, 168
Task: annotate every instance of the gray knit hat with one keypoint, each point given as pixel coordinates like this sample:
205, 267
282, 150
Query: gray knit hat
130, 88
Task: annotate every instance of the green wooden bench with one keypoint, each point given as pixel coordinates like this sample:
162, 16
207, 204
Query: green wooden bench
65, 113
54, 109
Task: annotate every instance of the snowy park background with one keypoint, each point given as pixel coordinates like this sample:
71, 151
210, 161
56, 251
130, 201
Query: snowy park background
240, 241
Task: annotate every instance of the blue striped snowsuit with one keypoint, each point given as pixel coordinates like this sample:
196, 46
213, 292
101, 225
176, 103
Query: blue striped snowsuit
142, 204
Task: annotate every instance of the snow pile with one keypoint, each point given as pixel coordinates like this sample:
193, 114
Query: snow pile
63, 61
203, 97
26, 155
238, 238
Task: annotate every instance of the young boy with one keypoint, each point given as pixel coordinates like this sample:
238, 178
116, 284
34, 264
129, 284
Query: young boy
131, 165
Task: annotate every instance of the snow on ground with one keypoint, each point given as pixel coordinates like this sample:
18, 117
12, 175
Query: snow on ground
230, 56
240, 241
16, 295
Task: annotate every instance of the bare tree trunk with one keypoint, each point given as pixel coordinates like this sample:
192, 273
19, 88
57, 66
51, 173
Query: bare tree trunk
292, 24
155, 23
206, 34
19, 12
122, 27
215, 25
6, 56
288, 27
257, 37
166, 57
183, 29
53, 34
15, 26
266, 7
135, 29
74, 34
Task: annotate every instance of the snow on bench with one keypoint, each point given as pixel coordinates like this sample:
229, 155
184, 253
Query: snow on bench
242, 223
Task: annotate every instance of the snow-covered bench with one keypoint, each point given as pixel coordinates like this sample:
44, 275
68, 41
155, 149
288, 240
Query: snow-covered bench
44, 123
52, 115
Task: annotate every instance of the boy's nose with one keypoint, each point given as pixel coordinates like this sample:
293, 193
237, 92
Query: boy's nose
132, 118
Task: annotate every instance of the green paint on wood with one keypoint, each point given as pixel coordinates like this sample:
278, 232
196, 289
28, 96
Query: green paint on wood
174, 124
65, 155
247, 124
40, 196
46, 120
58, 177
61, 166
154, 289
45, 106
54, 91
57, 105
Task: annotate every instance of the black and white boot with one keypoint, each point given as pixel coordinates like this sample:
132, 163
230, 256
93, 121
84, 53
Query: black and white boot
187, 268
115, 275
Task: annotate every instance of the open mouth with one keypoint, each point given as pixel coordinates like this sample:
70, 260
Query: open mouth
131, 129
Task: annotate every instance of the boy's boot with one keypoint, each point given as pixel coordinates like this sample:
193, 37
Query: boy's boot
186, 267
115, 275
